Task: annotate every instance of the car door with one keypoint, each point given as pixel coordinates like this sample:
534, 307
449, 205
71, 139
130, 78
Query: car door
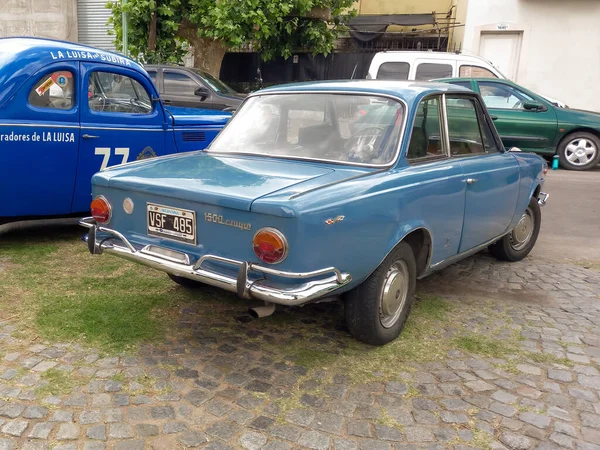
529, 130
119, 123
39, 144
435, 191
179, 90
490, 174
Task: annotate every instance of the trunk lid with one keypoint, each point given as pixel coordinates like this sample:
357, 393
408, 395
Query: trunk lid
226, 181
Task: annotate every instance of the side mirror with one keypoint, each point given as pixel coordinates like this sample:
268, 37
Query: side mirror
494, 117
201, 92
533, 106
514, 149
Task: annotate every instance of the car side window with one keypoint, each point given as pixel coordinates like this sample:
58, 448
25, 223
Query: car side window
177, 83
429, 71
502, 96
464, 129
116, 93
54, 90
426, 137
467, 71
393, 71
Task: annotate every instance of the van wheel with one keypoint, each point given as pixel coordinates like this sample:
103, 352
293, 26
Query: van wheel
517, 244
186, 282
376, 311
579, 151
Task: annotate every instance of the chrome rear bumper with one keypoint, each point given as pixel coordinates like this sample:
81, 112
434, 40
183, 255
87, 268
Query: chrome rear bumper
177, 263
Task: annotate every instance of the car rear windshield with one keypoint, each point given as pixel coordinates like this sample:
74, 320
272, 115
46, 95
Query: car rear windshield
360, 129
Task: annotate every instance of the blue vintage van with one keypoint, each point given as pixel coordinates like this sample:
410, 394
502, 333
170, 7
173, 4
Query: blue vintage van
68, 111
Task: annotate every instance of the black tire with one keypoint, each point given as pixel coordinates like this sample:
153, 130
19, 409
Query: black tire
510, 247
186, 282
363, 305
566, 146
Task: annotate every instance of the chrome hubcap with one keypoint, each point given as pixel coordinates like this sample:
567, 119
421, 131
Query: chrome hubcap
580, 152
394, 294
522, 233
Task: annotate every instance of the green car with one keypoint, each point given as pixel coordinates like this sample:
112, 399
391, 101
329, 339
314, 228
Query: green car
531, 123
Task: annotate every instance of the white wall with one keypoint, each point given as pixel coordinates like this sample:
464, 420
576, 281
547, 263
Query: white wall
41, 18
560, 52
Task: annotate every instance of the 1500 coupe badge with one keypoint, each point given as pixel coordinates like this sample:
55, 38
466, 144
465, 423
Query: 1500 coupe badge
216, 218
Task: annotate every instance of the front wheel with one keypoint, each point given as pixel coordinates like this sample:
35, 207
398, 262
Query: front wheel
517, 244
376, 311
579, 151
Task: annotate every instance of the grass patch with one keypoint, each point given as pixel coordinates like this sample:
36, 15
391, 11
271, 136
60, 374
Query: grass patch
421, 340
484, 345
59, 383
55, 289
592, 265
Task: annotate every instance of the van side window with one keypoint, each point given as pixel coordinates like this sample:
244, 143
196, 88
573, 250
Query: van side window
429, 71
475, 72
393, 71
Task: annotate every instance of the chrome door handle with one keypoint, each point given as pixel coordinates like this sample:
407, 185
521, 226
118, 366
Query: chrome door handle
472, 180
89, 136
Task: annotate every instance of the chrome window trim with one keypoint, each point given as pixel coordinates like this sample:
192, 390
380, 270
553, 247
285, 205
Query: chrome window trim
331, 161
37, 125
433, 158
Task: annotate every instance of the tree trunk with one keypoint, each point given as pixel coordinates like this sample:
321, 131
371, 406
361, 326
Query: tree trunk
208, 53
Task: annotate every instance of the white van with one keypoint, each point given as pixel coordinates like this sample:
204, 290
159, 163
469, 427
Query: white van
423, 66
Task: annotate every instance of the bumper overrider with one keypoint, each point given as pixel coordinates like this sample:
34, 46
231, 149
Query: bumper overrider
312, 285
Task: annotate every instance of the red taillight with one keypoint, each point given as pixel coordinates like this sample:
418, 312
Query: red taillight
101, 210
270, 245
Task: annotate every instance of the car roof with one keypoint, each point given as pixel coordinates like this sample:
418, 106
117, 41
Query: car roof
406, 90
428, 54
22, 57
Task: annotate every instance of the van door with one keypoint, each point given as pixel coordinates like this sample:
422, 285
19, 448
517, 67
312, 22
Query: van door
425, 69
119, 123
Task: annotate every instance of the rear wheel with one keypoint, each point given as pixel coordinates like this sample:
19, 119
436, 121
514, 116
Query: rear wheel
186, 282
579, 151
376, 311
517, 244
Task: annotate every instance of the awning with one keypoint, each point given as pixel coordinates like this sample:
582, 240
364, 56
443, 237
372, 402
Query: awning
368, 27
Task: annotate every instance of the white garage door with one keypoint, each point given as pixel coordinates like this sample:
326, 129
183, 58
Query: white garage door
503, 50
92, 16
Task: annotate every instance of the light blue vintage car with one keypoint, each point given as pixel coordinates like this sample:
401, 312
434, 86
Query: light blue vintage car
328, 190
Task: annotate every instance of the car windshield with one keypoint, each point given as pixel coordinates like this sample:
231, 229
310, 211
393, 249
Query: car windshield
215, 83
359, 129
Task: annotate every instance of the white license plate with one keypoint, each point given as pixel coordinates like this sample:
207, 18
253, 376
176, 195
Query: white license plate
172, 223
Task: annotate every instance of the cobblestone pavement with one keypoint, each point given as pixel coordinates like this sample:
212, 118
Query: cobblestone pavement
220, 383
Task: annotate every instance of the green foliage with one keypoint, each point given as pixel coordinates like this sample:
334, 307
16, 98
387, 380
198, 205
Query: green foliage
273, 27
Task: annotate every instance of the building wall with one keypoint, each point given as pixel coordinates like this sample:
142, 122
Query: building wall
41, 18
559, 48
441, 7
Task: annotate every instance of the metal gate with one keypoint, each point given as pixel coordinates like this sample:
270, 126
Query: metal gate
92, 18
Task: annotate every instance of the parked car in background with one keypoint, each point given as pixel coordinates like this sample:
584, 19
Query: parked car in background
528, 121
319, 190
193, 88
68, 111
426, 66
